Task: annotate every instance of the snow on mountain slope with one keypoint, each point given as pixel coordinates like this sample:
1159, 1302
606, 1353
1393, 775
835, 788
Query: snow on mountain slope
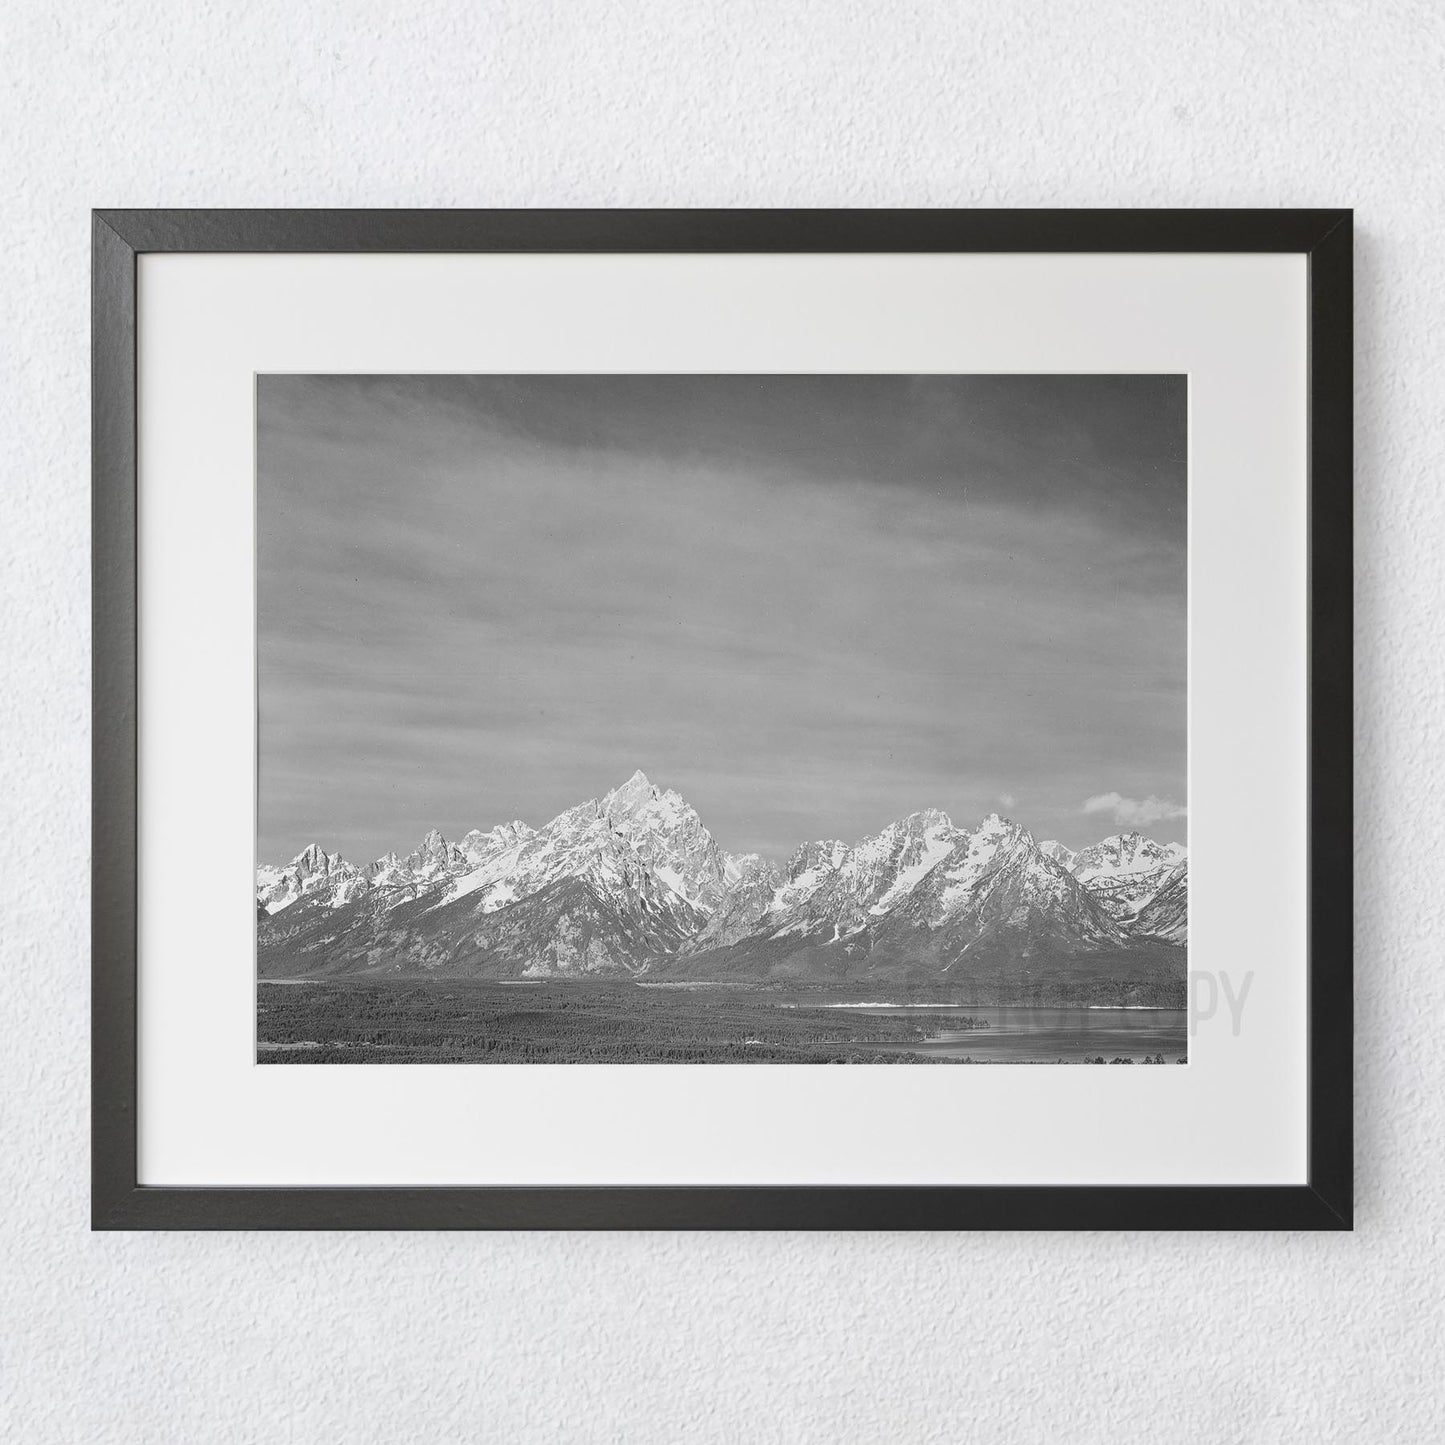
634, 881
832, 884
1166, 914
1125, 871
424, 872
640, 852
1125, 853
583, 843
312, 873
669, 836
435, 856
922, 876
912, 901
636, 839
999, 888
390, 880
477, 846
754, 883
566, 929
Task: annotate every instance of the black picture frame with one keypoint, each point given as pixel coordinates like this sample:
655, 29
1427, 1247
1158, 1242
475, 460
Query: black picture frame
119, 1201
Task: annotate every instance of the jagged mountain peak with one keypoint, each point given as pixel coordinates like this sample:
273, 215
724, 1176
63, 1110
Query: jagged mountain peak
313, 858
639, 800
922, 890
1166, 914
1125, 851
435, 852
476, 843
1123, 846
312, 873
924, 819
637, 790
664, 830
994, 832
740, 866
819, 853
1125, 871
997, 823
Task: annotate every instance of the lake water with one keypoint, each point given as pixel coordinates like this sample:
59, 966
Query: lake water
1045, 1035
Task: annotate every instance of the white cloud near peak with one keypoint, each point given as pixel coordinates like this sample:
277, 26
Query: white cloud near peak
1135, 812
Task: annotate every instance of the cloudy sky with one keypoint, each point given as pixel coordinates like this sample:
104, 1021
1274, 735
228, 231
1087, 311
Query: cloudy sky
810, 604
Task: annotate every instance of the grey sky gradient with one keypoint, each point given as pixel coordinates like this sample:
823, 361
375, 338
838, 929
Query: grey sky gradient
810, 604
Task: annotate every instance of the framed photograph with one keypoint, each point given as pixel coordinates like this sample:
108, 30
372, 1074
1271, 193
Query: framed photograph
564, 678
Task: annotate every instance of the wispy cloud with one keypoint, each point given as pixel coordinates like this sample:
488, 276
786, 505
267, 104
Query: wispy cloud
812, 605
1135, 812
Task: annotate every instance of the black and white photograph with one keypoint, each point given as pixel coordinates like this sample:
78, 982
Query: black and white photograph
569, 566
708, 719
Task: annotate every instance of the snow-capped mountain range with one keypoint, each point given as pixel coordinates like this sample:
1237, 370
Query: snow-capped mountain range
634, 883
1123, 872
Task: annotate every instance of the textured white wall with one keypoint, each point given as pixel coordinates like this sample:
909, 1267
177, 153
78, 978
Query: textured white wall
777, 1338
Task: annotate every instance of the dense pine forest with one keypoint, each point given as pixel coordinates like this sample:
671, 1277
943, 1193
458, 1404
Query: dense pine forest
450, 1021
